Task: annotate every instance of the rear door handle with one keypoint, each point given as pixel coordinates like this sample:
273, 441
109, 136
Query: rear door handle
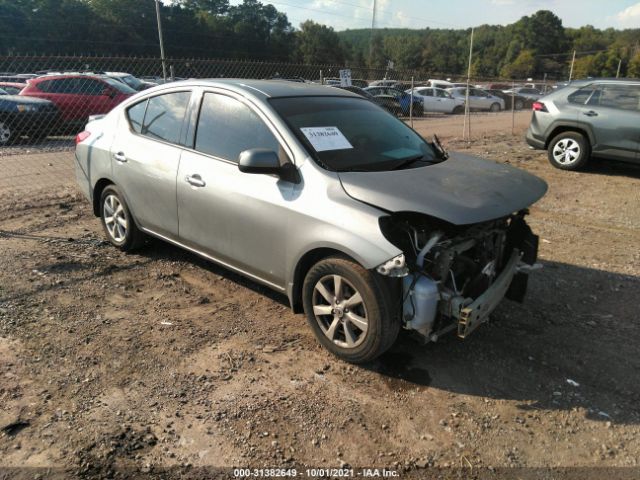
120, 157
591, 113
195, 180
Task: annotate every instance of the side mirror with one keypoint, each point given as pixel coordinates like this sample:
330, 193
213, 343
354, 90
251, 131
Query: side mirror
259, 160
108, 92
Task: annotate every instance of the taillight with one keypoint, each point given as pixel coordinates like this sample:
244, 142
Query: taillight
539, 107
82, 136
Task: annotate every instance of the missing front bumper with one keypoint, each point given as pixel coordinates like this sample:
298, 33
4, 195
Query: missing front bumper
472, 315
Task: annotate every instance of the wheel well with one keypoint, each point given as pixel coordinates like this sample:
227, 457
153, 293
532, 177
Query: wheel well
97, 193
307, 261
558, 130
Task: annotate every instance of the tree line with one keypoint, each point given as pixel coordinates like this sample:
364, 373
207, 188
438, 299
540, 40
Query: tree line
534, 46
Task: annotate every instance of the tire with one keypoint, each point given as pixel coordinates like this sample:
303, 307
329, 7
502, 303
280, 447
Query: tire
518, 105
356, 332
568, 151
7, 135
418, 111
122, 231
495, 107
459, 110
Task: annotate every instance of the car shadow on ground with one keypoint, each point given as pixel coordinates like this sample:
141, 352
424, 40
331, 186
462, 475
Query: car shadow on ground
615, 168
572, 344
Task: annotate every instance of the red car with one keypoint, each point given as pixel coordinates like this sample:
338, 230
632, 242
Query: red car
77, 96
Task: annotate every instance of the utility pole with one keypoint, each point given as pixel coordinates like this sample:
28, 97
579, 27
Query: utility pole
164, 62
467, 118
373, 25
573, 60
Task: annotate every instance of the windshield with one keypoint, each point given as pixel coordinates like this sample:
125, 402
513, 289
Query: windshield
132, 81
118, 85
353, 134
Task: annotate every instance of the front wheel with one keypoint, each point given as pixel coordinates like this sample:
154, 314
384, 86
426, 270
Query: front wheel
458, 110
349, 310
118, 224
495, 107
568, 151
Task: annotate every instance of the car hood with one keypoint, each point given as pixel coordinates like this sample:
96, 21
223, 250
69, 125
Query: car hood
461, 190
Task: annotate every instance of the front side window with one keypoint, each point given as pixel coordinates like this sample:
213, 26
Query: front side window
351, 134
164, 115
227, 127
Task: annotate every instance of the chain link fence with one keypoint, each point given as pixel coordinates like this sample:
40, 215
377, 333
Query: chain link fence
46, 100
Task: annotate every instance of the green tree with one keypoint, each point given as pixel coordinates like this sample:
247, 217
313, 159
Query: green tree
522, 67
319, 44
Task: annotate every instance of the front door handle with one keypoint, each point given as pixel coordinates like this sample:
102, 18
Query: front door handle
120, 157
195, 180
591, 113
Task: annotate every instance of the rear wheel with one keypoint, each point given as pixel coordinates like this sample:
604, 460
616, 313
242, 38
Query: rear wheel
349, 310
118, 224
6, 133
518, 105
568, 151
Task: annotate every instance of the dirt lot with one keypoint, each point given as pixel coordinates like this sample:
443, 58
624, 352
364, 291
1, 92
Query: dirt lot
112, 364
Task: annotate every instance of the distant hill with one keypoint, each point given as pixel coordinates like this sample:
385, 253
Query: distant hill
534, 46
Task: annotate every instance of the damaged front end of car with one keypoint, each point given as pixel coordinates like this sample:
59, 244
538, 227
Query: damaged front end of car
452, 277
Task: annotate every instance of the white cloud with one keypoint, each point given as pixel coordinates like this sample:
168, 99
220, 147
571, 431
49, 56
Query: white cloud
629, 17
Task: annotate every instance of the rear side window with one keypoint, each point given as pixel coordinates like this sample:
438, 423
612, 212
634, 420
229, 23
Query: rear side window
622, 97
87, 86
227, 127
581, 96
164, 115
135, 115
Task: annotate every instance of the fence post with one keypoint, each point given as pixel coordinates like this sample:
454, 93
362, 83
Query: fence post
321, 79
513, 107
411, 105
467, 109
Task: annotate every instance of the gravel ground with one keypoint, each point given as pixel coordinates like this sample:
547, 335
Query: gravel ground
125, 365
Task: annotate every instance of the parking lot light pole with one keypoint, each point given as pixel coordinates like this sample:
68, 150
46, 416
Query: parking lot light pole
164, 62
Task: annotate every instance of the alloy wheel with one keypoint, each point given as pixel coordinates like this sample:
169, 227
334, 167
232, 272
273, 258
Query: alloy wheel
340, 311
115, 218
566, 151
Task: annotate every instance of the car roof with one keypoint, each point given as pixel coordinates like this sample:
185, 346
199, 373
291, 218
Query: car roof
588, 81
268, 88
56, 76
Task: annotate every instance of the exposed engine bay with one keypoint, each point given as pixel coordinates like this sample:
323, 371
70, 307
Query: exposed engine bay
453, 277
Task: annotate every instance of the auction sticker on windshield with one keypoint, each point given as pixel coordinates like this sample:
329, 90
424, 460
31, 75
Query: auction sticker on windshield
326, 138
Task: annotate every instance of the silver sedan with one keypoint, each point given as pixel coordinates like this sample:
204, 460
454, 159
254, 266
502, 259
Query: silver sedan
318, 194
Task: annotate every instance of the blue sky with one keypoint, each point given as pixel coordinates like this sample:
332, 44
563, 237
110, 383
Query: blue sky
343, 14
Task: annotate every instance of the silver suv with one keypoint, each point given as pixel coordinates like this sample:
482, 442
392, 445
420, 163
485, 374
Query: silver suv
599, 118
321, 195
